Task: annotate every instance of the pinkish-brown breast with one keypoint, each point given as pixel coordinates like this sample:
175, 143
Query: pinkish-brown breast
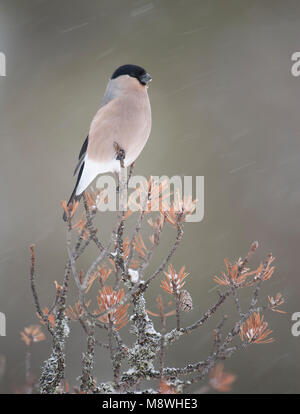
125, 120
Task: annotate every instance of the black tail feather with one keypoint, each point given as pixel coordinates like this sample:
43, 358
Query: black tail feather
74, 197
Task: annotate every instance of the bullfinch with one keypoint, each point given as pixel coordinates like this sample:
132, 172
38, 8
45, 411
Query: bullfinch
118, 131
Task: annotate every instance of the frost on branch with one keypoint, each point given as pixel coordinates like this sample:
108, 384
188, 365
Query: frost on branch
112, 295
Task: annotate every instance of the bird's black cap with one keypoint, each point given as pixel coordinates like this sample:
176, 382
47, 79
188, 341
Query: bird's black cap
134, 71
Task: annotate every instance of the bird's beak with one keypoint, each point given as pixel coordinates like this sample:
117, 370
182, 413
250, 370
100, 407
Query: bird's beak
145, 79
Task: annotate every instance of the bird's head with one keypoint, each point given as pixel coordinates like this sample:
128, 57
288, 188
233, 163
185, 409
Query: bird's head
133, 71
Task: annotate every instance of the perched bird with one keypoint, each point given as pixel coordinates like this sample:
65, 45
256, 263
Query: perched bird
119, 130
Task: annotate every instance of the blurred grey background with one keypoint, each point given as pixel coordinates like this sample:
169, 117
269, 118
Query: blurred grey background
225, 106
